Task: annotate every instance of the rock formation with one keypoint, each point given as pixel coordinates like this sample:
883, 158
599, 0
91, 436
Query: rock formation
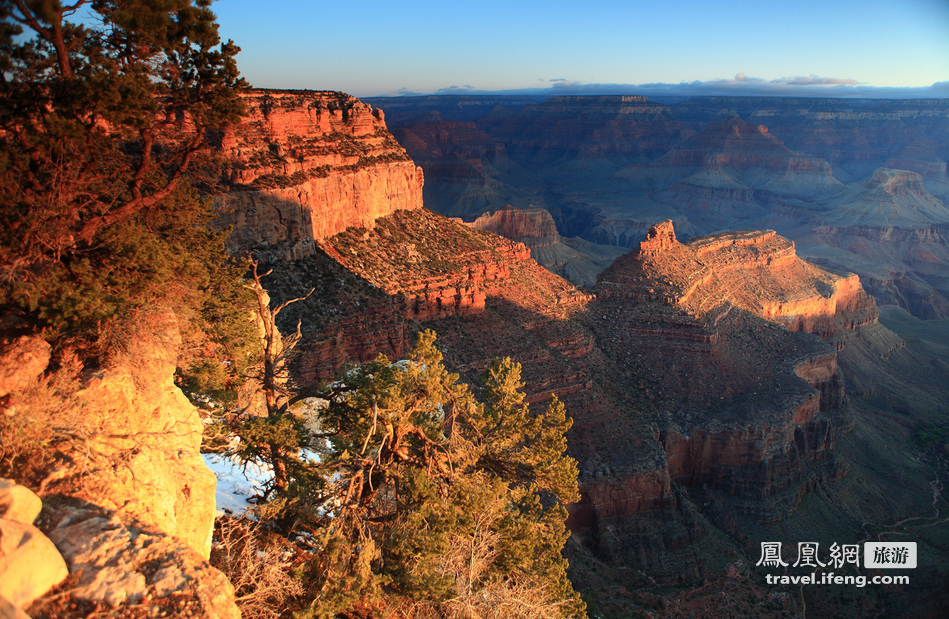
129, 503
757, 271
534, 227
309, 166
135, 414
123, 562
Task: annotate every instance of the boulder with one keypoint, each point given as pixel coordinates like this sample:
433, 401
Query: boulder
123, 561
30, 565
18, 503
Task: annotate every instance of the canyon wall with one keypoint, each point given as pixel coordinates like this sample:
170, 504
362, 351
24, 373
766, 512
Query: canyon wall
306, 166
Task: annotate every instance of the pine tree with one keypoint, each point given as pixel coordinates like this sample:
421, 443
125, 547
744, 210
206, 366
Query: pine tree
102, 122
422, 495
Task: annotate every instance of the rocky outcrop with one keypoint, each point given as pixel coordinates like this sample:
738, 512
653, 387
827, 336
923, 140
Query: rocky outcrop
744, 419
576, 260
758, 271
144, 439
920, 156
123, 562
449, 271
309, 165
426, 267
737, 156
30, 565
892, 232
534, 226
889, 199
127, 501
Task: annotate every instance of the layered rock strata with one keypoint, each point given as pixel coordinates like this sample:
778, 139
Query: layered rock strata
738, 400
758, 271
308, 166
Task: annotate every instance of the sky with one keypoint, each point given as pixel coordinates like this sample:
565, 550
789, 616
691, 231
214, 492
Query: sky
897, 48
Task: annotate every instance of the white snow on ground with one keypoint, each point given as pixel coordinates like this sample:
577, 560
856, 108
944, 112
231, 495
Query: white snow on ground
236, 483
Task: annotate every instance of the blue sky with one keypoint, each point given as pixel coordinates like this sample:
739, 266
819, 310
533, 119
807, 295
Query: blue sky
368, 47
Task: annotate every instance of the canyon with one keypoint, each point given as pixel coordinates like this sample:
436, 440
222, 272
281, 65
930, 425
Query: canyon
716, 384
724, 390
844, 179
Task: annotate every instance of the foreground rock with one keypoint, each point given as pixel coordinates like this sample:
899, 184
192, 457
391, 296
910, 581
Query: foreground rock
30, 565
144, 439
118, 562
127, 498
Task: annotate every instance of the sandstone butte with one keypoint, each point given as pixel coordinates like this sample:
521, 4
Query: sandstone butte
757, 271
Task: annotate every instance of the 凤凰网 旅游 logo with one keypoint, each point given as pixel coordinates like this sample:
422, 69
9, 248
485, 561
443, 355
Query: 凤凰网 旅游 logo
874, 555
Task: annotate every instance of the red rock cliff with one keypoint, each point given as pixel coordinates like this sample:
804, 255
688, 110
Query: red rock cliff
309, 165
758, 271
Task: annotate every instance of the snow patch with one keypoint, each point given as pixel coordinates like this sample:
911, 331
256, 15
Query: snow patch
235, 482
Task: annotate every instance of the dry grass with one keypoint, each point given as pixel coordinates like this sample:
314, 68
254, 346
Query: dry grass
257, 562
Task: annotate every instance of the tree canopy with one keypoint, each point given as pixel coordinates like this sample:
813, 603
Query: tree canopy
419, 493
105, 109
108, 111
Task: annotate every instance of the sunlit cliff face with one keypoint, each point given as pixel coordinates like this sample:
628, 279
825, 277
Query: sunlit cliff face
308, 166
757, 271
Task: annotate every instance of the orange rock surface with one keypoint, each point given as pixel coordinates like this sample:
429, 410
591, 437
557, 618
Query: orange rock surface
309, 165
758, 271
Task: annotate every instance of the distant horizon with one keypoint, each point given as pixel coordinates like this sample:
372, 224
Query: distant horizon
876, 49
938, 91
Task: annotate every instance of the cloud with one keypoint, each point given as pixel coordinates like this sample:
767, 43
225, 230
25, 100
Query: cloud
739, 85
815, 80
405, 92
454, 90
